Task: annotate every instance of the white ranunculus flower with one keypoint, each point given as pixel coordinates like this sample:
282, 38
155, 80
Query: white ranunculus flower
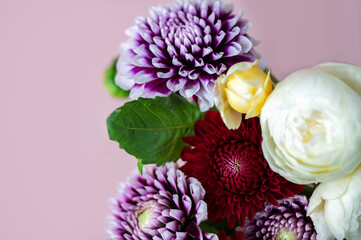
311, 124
335, 208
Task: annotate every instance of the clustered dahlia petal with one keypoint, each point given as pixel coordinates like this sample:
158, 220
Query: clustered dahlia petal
287, 221
161, 204
231, 167
183, 48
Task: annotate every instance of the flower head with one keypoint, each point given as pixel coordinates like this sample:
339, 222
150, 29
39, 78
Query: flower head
183, 48
335, 208
231, 167
286, 221
311, 124
161, 204
243, 90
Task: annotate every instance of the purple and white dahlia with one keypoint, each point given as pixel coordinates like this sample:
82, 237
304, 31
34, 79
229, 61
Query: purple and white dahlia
183, 48
161, 204
286, 221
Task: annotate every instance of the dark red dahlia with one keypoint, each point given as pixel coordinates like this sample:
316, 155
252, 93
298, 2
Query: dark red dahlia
232, 169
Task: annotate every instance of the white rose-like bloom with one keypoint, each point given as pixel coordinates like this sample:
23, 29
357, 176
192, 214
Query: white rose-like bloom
335, 208
311, 124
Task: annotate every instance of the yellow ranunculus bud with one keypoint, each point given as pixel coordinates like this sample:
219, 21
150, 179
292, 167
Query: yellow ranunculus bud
243, 90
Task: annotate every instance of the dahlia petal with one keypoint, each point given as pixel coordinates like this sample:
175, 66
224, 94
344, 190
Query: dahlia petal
199, 41
201, 211
186, 42
143, 77
198, 62
204, 9
136, 91
202, 23
196, 190
219, 38
176, 214
176, 84
153, 26
196, 49
140, 61
205, 98
207, 40
231, 23
166, 235
229, 8
207, 84
156, 50
173, 226
245, 29
232, 34
189, 89
207, 30
142, 50
221, 68
206, 51
211, 18
183, 50
233, 49
245, 43
189, 57
217, 26
193, 74
158, 63
187, 203
193, 230
216, 8
168, 74
159, 42
147, 36
181, 236
210, 69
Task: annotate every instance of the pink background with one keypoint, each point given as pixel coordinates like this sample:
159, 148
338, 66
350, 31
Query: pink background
57, 166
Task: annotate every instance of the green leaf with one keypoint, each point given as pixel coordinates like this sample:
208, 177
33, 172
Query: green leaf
152, 129
208, 227
211, 227
109, 82
140, 166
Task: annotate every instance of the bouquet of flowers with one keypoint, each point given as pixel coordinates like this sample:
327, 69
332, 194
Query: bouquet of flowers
235, 153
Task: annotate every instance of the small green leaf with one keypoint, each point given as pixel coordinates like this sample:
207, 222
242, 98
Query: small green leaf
109, 82
152, 129
211, 227
140, 166
208, 227
274, 80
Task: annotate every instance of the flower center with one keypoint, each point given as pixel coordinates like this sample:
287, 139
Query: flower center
286, 235
145, 218
145, 215
236, 167
311, 126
